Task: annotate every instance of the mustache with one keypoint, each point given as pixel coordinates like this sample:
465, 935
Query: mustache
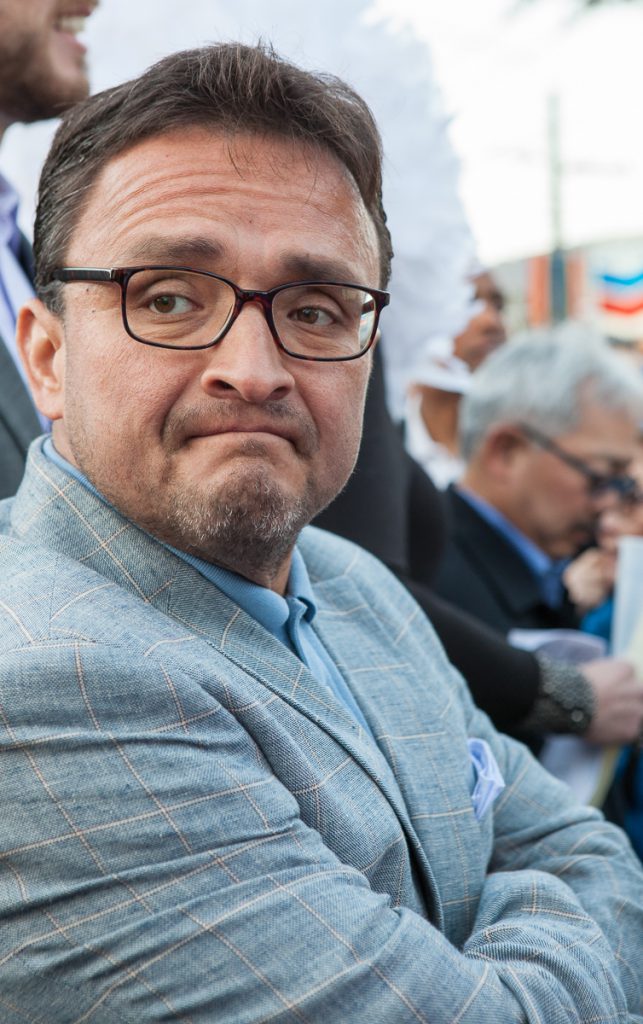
221, 416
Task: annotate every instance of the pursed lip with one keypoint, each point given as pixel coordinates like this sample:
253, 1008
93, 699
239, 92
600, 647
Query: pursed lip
255, 428
189, 425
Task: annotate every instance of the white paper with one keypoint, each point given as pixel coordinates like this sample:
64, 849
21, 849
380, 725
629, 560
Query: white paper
570, 758
628, 595
568, 645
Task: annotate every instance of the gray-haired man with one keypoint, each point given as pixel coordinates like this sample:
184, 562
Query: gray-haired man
547, 430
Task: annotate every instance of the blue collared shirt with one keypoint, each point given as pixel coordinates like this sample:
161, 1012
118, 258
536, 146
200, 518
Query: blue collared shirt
548, 571
289, 619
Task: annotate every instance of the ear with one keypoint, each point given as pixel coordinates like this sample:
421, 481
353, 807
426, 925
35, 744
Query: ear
504, 446
40, 339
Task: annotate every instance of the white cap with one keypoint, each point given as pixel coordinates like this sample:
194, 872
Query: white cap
439, 368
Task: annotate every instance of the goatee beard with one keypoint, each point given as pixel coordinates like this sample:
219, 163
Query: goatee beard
249, 527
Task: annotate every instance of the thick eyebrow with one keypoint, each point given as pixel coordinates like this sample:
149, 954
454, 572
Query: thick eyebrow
316, 268
204, 253
182, 252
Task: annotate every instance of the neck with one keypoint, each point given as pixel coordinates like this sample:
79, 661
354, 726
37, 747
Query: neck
480, 481
476, 480
439, 411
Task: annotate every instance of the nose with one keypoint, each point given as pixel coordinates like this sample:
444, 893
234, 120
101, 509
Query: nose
609, 529
247, 364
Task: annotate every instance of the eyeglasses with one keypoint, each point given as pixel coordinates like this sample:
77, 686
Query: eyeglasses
175, 307
599, 484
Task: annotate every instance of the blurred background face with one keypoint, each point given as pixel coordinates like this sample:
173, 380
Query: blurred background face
486, 331
551, 502
624, 520
42, 62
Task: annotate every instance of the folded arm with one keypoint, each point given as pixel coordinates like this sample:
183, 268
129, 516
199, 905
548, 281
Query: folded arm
166, 873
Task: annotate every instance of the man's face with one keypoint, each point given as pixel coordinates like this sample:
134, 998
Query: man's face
625, 520
42, 63
226, 452
485, 331
550, 501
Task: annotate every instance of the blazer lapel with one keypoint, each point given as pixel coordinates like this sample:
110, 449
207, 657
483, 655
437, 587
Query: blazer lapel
504, 570
56, 511
204, 610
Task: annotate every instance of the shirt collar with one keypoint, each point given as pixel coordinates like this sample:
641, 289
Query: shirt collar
539, 562
266, 606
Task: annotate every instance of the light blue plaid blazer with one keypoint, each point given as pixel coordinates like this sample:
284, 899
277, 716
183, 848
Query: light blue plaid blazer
194, 830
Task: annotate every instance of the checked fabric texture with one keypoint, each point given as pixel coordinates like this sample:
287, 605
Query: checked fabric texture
192, 828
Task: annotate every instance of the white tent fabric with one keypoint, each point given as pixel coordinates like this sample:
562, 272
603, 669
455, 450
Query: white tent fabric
389, 67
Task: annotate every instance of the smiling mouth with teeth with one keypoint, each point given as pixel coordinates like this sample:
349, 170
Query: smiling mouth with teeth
74, 25
73, 21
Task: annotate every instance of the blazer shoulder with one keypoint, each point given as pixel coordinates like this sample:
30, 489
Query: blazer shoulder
327, 556
346, 576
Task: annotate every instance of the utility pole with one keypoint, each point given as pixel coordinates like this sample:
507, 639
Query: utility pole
558, 288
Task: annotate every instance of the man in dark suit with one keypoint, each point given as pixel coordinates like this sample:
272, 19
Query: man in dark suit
548, 430
391, 507
42, 73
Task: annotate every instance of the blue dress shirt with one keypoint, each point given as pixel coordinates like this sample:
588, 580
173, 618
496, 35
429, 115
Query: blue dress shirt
548, 571
289, 619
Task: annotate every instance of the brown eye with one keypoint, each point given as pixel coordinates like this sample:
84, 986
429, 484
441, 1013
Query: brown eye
313, 316
169, 304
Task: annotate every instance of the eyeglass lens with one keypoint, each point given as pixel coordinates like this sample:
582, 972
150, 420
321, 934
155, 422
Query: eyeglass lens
186, 309
624, 487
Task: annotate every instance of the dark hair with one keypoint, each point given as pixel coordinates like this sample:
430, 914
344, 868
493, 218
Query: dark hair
229, 86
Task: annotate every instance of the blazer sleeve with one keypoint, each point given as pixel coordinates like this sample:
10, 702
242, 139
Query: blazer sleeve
538, 829
170, 876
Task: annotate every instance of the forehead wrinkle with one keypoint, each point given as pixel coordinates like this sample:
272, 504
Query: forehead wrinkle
124, 203
124, 211
121, 183
126, 196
